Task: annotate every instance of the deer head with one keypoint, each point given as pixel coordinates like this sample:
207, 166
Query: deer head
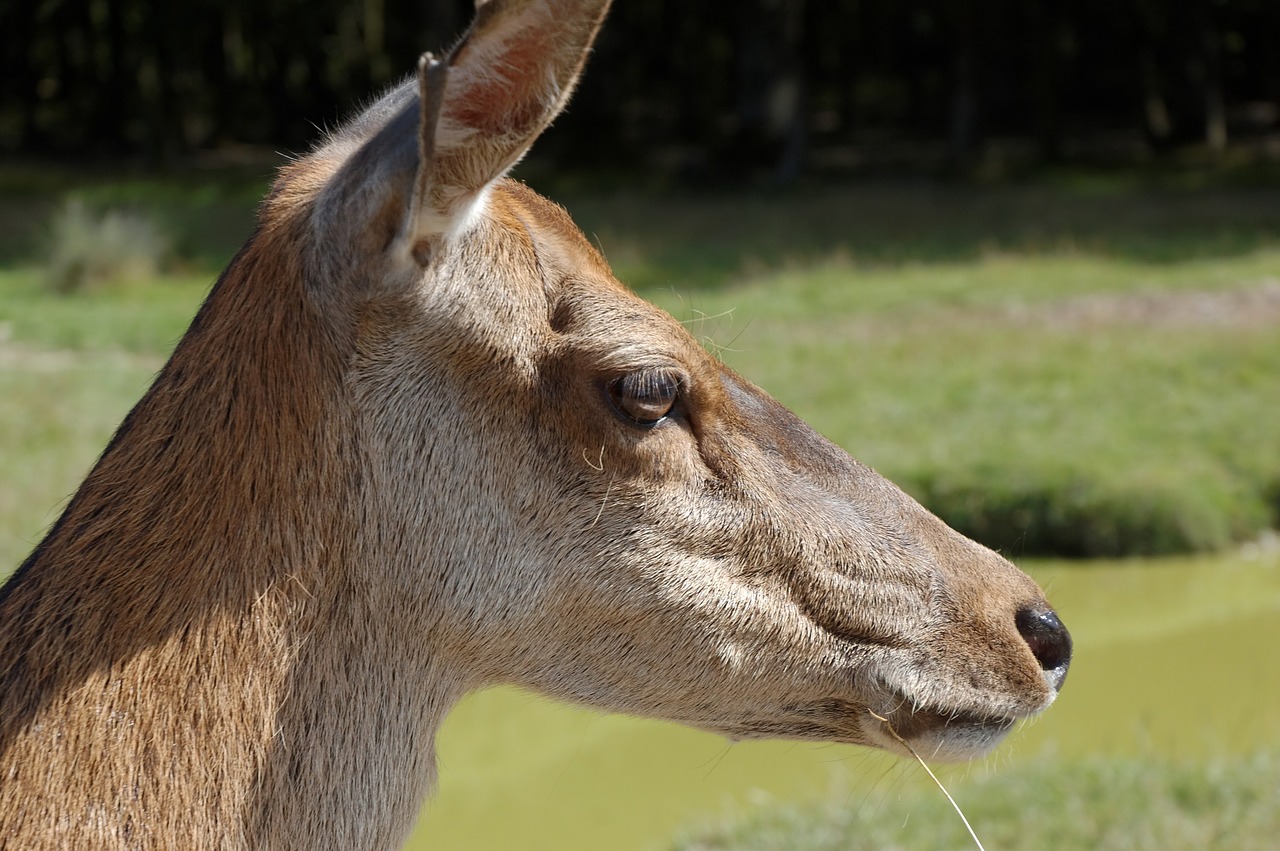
418, 441
595, 506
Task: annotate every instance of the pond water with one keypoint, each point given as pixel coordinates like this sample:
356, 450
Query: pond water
1174, 657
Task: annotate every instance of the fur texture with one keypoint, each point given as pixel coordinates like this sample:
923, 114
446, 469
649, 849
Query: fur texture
391, 461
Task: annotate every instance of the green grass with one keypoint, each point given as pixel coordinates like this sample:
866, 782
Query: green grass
1072, 405
1054, 370
71, 367
1081, 368
145, 318
1100, 804
58, 413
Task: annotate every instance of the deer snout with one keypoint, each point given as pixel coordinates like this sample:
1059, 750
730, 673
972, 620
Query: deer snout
1048, 639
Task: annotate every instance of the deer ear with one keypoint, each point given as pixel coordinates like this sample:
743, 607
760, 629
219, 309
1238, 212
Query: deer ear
485, 104
441, 140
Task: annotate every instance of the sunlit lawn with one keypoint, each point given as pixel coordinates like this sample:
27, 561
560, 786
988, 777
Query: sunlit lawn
1052, 370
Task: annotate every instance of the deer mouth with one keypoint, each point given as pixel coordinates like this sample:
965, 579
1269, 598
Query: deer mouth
935, 735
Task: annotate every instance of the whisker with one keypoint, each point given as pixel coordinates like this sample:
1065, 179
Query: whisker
603, 503
932, 776
598, 466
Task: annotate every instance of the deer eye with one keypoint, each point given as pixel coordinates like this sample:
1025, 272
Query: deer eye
645, 396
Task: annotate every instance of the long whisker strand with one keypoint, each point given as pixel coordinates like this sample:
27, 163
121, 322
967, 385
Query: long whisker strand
932, 776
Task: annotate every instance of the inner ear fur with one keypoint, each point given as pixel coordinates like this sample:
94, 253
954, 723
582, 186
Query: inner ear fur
445, 136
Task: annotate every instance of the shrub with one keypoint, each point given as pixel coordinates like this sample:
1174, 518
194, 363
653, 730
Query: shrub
89, 250
1092, 514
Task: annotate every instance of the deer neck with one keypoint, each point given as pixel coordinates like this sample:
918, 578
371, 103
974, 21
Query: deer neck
194, 618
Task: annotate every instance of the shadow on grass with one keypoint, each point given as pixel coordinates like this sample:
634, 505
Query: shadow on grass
207, 213
710, 241
712, 238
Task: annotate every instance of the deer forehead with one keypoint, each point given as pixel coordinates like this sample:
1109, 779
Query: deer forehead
524, 283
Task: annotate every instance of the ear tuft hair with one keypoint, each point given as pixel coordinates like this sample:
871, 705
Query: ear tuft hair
448, 134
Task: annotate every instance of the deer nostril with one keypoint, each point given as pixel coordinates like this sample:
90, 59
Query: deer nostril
1048, 639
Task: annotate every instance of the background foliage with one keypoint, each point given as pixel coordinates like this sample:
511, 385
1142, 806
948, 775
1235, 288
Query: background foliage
716, 88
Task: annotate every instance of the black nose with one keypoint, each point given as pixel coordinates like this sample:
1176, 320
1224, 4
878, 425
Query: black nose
1048, 639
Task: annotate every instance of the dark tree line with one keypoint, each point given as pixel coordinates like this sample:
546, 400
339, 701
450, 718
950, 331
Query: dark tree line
766, 85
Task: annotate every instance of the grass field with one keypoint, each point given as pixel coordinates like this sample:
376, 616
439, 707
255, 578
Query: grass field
1076, 367
1085, 369
1117, 804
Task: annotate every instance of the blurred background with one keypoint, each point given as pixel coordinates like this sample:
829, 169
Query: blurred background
715, 90
1022, 257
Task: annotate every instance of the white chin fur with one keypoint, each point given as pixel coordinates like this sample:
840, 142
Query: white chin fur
960, 742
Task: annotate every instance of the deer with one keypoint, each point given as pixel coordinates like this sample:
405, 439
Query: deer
418, 441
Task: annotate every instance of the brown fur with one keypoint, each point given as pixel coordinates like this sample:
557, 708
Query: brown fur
382, 469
